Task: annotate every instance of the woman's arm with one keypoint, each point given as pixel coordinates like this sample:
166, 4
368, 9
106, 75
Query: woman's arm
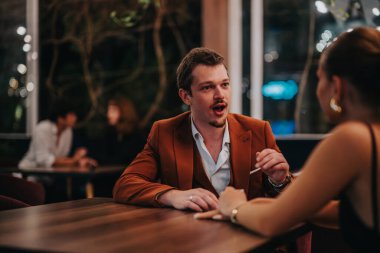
331, 167
328, 216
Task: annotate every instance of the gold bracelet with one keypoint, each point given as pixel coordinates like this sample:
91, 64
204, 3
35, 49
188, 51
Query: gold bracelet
234, 213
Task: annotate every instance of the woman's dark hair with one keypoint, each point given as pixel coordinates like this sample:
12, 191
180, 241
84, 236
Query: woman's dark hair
129, 119
197, 56
355, 56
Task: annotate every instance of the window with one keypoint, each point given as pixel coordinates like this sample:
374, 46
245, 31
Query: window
17, 74
295, 32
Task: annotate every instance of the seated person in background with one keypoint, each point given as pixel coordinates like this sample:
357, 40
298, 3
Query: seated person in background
123, 139
190, 159
50, 146
344, 164
51, 142
121, 142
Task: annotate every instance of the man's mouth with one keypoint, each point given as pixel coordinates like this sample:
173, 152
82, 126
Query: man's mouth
219, 107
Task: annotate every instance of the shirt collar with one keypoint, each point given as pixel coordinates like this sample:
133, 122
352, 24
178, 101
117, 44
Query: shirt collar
197, 135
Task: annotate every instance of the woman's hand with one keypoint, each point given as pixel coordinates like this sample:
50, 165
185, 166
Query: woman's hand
229, 199
80, 153
213, 214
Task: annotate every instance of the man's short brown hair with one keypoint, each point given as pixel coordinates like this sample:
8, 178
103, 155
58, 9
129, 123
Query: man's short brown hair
197, 56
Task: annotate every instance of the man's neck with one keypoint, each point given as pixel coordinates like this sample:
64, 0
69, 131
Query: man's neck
60, 128
210, 133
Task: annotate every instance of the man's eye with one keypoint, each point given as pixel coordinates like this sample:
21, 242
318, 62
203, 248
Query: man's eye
205, 87
226, 84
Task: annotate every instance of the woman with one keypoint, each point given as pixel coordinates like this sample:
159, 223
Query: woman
123, 138
344, 163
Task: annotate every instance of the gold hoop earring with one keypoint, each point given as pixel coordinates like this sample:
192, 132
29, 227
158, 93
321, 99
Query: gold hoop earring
334, 106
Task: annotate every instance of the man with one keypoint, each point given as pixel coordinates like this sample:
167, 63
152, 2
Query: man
52, 140
189, 159
50, 146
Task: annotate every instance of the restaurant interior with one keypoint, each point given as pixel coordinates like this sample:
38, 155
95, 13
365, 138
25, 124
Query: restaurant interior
114, 62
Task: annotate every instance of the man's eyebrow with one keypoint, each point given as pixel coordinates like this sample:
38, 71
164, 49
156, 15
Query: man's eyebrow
211, 82
206, 82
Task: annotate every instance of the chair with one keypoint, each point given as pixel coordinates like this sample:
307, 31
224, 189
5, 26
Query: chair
17, 192
327, 240
10, 203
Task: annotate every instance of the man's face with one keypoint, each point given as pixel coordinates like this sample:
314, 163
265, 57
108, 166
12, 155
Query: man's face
209, 101
70, 119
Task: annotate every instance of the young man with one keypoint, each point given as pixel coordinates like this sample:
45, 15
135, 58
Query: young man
190, 159
52, 140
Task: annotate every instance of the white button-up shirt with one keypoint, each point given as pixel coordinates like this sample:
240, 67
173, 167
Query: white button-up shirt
218, 173
44, 149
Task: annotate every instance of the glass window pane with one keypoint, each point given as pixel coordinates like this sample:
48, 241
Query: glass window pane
13, 47
295, 34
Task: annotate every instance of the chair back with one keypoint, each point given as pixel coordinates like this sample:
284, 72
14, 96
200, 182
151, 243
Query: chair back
20, 189
7, 203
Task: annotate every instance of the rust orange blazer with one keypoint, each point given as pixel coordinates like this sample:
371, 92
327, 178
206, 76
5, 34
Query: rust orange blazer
170, 158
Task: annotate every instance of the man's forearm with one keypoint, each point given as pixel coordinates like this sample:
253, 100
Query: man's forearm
64, 161
165, 198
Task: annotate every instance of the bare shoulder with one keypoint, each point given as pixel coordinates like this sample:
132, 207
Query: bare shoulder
351, 138
346, 149
352, 131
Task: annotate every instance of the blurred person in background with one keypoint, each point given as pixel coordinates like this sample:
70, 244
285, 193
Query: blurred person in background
121, 142
50, 146
51, 142
123, 139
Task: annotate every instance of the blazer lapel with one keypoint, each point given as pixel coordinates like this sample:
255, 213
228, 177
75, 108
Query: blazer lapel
241, 164
184, 154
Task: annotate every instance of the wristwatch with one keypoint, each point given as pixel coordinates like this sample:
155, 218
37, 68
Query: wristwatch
281, 185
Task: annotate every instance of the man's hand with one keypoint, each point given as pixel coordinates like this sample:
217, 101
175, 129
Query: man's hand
272, 164
79, 153
195, 199
87, 162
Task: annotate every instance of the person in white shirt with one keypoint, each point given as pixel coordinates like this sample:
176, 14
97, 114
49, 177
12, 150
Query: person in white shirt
50, 146
51, 143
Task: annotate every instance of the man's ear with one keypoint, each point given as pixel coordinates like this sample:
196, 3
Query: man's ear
184, 95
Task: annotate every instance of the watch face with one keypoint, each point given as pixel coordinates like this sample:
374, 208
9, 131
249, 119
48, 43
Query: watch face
233, 216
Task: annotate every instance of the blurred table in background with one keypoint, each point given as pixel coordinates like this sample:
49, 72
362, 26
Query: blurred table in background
68, 172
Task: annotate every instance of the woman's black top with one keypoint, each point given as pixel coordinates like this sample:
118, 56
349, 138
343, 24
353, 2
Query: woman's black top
357, 234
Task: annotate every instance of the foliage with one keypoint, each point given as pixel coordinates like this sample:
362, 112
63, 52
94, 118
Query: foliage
92, 50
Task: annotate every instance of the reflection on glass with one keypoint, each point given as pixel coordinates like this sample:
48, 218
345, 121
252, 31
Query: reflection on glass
295, 34
13, 91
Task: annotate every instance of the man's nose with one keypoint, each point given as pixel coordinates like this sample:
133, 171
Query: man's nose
219, 92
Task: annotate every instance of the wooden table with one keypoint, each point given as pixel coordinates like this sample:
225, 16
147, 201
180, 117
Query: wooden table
69, 172
100, 225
